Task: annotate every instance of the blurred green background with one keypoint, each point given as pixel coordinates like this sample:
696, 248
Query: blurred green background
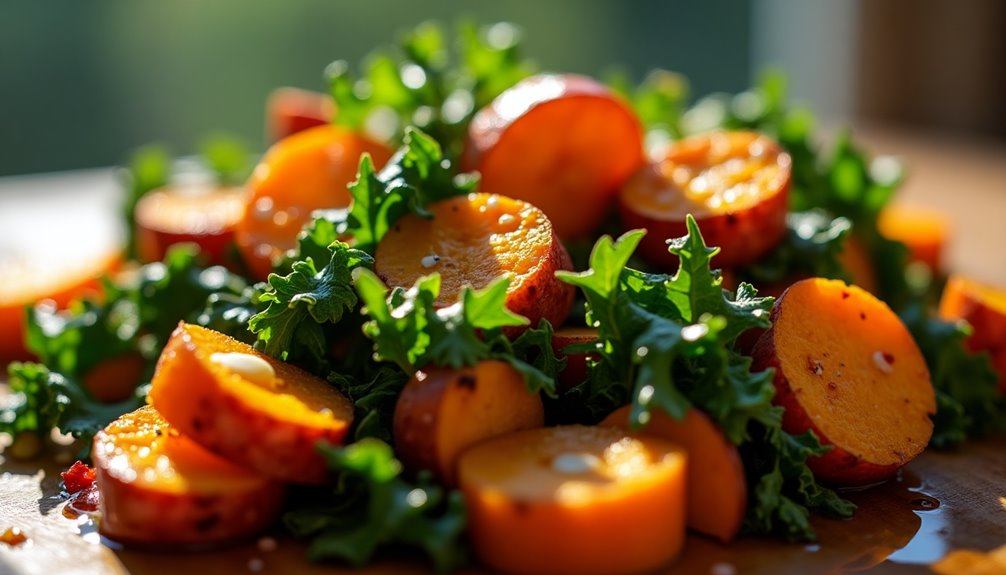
85, 82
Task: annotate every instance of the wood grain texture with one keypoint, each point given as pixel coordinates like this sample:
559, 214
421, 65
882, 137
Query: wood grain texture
943, 501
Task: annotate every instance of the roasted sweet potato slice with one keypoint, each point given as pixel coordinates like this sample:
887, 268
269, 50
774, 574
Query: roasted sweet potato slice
984, 307
717, 486
574, 499
201, 215
736, 184
305, 172
31, 279
160, 488
847, 369
563, 143
473, 240
924, 232
246, 406
443, 411
291, 110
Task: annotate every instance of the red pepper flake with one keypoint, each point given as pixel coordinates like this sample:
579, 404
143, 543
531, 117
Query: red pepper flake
13, 537
87, 499
77, 478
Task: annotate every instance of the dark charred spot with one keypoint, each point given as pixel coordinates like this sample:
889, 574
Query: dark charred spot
531, 289
845, 295
731, 219
207, 523
158, 432
197, 424
466, 381
862, 315
889, 358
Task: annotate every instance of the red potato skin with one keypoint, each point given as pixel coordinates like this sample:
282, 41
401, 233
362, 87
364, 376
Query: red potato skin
743, 237
141, 517
837, 465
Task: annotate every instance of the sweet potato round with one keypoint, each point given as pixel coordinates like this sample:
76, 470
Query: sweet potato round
472, 241
443, 411
270, 427
574, 499
923, 231
307, 171
717, 486
159, 488
290, 110
736, 184
984, 307
31, 278
847, 369
564, 143
204, 216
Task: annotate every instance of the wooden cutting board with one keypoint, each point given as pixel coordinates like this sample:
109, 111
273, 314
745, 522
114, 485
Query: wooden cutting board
942, 504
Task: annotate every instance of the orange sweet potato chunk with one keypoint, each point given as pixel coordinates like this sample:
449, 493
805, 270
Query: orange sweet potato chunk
564, 143
307, 171
736, 184
847, 369
160, 488
575, 500
924, 232
984, 307
267, 421
443, 411
717, 486
30, 281
472, 241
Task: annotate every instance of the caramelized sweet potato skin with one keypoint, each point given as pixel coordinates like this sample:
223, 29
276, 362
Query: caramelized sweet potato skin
736, 184
717, 486
564, 143
984, 307
847, 369
574, 500
443, 411
473, 240
271, 428
205, 217
158, 488
307, 171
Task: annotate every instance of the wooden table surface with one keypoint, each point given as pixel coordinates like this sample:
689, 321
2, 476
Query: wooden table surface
944, 514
